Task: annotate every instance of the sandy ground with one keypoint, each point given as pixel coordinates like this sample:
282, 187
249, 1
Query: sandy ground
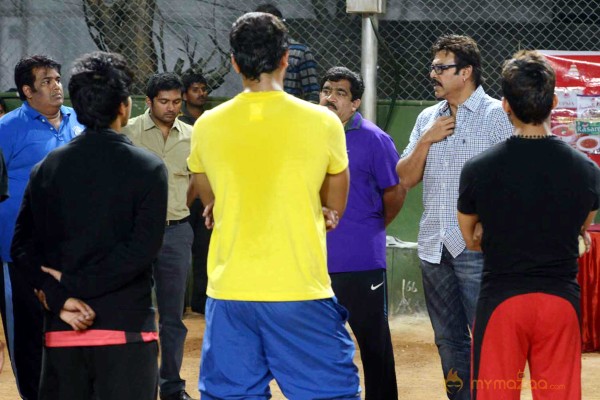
417, 363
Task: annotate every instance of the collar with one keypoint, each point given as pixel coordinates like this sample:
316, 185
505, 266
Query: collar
184, 111
148, 123
471, 104
355, 122
106, 133
35, 114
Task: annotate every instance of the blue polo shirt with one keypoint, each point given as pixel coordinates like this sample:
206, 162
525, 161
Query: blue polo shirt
358, 242
26, 137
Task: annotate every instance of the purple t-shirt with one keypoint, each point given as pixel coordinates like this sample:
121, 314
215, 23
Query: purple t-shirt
358, 243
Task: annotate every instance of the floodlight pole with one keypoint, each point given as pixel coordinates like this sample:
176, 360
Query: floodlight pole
368, 66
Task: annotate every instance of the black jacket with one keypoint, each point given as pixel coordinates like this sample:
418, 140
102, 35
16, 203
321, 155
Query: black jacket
94, 209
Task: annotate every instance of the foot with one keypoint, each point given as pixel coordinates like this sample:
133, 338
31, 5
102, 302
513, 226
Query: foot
182, 395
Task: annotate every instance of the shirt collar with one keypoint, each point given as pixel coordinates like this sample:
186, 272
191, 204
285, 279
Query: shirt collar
35, 114
184, 111
148, 122
475, 99
472, 103
355, 122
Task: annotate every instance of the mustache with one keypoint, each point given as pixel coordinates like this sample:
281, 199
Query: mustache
436, 83
330, 104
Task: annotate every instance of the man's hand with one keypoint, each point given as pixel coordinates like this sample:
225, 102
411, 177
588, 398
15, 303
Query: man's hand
55, 273
77, 314
42, 298
441, 128
331, 218
478, 233
209, 221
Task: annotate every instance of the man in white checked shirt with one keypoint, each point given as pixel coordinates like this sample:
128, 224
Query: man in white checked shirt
445, 136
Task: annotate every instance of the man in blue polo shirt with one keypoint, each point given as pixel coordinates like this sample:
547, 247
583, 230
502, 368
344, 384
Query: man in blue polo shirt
27, 134
356, 248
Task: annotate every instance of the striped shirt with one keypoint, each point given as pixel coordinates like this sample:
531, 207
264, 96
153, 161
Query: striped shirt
301, 75
480, 123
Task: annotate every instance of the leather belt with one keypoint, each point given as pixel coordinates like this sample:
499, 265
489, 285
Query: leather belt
177, 221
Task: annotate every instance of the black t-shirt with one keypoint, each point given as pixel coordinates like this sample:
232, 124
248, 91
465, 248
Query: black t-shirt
3, 179
532, 197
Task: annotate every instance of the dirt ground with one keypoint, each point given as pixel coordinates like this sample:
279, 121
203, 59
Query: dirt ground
417, 363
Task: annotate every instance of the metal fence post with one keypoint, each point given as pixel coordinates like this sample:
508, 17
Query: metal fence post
368, 66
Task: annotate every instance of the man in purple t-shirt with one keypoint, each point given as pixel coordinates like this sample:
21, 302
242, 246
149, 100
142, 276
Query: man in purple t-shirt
356, 248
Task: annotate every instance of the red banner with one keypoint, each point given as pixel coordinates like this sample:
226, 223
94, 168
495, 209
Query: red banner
576, 119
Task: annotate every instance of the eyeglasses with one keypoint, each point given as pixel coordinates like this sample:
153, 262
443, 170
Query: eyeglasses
440, 68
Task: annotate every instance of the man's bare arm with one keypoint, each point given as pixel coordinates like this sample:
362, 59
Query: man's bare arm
470, 229
334, 191
201, 187
393, 199
192, 193
589, 220
410, 168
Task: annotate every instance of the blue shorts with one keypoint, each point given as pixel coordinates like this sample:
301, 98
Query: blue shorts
303, 345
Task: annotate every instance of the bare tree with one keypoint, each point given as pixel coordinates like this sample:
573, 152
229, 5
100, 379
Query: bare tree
136, 29
214, 76
125, 27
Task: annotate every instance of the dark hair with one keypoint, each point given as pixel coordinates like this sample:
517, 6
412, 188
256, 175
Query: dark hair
189, 77
99, 84
3, 105
163, 81
336, 74
528, 82
24, 71
258, 42
465, 52
269, 9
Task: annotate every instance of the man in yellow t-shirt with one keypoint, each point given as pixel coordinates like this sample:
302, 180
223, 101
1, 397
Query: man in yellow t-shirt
270, 166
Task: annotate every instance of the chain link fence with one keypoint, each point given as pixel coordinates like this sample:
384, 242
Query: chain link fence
161, 35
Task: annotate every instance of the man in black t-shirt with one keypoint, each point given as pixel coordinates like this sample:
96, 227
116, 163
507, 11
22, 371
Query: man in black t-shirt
87, 233
533, 195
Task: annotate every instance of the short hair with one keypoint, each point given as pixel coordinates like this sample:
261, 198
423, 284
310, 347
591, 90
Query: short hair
189, 77
466, 52
336, 74
258, 42
528, 82
100, 83
24, 70
163, 81
269, 9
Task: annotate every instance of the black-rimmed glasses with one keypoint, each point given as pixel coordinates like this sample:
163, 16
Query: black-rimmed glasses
440, 68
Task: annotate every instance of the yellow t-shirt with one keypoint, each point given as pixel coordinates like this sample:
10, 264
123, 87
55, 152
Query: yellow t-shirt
265, 155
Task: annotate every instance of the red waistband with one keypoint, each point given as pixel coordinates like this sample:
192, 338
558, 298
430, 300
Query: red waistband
96, 337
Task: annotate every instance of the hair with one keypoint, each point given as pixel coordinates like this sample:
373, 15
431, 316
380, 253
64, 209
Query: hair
24, 71
465, 52
163, 81
3, 105
269, 9
528, 82
99, 84
258, 42
336, 74
189, 77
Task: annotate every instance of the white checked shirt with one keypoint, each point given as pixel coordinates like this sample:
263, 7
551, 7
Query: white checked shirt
480, 123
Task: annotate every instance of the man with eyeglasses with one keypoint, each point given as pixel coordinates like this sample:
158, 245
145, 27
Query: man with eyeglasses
446, 135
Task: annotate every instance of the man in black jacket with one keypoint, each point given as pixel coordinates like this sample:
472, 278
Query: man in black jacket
91, 223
